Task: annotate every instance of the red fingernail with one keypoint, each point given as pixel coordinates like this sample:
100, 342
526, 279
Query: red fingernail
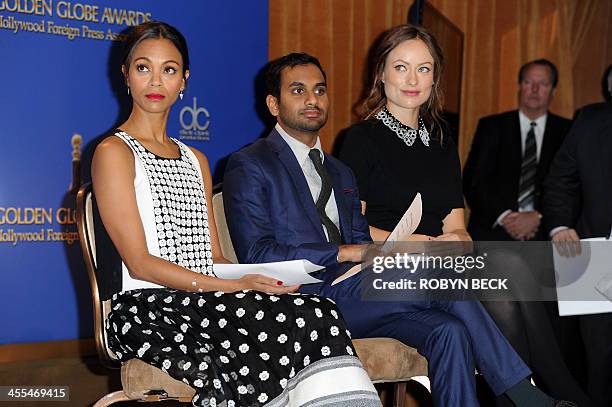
279, 283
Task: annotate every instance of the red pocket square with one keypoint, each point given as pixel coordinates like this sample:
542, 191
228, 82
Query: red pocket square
347, 190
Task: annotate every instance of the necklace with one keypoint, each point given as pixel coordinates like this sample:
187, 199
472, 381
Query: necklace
407, 134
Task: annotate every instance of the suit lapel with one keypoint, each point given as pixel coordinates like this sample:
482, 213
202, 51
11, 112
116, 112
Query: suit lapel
343, 210
296, 175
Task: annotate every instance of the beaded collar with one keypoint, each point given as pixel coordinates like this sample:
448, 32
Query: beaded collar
407, 134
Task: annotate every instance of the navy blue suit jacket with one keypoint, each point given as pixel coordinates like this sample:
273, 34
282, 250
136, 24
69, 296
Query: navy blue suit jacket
270, 211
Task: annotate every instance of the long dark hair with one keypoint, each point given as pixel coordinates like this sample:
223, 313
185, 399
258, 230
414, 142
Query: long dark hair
375, 99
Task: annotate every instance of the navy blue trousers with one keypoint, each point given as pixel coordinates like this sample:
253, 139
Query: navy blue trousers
455, 336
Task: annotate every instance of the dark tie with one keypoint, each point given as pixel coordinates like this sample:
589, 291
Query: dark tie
529, 167
333, 234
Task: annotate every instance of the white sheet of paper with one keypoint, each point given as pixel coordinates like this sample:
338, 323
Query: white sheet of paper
407, 224
597, 280
289, 272
349, 273
583, 307
402, 231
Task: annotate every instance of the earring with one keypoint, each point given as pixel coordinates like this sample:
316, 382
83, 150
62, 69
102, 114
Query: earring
128, 89
181, 94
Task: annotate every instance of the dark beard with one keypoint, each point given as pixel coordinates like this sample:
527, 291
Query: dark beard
302, 124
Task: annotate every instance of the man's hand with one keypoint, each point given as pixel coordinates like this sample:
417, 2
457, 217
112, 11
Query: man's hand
352, 252
522, 225
567, 243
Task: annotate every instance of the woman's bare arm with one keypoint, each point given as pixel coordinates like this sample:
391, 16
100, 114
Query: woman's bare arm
113, 179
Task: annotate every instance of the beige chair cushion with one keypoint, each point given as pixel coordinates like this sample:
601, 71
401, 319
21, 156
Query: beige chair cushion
138, 378
227, 248
385, 360
389, 360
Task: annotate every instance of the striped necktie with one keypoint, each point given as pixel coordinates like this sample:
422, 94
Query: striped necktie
333, 234
529, 167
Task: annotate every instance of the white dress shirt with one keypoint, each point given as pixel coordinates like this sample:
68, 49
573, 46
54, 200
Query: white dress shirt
301, 150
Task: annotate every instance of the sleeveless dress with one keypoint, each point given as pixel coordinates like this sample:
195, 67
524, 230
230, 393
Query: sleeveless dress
235, 349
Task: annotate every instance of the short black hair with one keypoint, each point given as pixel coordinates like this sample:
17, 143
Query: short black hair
554, 73
155, 30
273, 73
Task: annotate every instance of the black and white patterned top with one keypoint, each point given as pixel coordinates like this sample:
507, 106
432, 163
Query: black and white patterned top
177, 230
239, 349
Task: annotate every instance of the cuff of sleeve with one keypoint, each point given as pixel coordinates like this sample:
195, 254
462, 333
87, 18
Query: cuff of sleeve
557, 230
500, 218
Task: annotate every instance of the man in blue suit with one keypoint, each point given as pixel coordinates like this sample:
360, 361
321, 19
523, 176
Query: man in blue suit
286, 199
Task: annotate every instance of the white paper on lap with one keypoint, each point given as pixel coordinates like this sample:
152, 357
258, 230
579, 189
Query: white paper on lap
400, 234
289, 272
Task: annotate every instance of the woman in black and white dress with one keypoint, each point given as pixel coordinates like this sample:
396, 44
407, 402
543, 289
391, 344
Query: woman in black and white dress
228, 339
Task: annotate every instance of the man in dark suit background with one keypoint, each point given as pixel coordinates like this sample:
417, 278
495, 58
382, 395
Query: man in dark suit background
577, 200
510, 157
